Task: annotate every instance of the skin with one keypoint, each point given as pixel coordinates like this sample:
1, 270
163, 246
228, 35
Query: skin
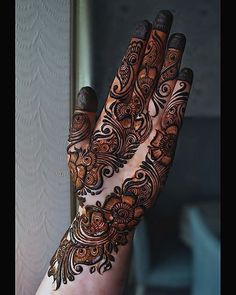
120, 163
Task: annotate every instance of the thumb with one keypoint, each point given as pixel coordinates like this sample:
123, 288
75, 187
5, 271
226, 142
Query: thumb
83, 120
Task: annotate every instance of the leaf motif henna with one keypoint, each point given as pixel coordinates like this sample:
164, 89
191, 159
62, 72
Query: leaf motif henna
93, 237
98, 231
96, 234
169, 73
122, 130
126, 122
80, 129
124, 80
174, 112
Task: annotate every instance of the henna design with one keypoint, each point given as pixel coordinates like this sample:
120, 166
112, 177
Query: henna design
126, 122
99, 230
163, 145
83, 117
123, 83
94, 236
97, 233
174, 112
163, 21
80, 129
169, 72
124, 80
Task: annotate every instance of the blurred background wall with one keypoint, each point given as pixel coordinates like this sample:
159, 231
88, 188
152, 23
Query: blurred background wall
42, 63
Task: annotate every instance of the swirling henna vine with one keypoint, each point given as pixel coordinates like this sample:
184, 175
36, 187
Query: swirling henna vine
169, 72
124, 80
97, 233
123, 83
80, 129
174, 112
86, 106
126, 122
94, 236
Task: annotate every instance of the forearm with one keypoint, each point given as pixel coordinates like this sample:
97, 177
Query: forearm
107, 283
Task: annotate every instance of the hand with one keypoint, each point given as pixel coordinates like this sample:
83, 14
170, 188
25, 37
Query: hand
120, 163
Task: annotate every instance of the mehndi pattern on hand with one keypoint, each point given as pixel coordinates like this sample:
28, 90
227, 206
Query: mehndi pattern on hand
144, 111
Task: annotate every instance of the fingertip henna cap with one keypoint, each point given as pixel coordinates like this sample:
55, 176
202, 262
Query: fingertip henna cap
177, 41
163, 21
186, 74
142, 30
86, 100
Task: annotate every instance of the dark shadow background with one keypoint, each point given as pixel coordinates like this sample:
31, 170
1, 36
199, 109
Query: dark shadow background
195, 175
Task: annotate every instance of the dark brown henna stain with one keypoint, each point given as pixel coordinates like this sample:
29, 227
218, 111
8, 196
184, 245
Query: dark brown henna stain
186, 74
126, 123
96, 235
124, 80
163, 145
87, 100
123, 83
169, 72
142, 30
80, 129
163, 21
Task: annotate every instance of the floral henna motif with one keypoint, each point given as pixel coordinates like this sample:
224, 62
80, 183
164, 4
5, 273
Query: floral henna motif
96, 234
126, 122
163, 145
99, 230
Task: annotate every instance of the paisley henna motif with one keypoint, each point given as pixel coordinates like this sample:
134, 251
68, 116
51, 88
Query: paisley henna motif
99, 230
122, 86
126, 122
95, 236
169, 72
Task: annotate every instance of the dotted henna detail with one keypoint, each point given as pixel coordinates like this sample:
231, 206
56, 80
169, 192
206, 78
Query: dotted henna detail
95, 236
126, 122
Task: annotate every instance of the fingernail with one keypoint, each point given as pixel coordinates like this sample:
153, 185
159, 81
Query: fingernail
186, 74
163, 21
87, 100
177, 41
142, 30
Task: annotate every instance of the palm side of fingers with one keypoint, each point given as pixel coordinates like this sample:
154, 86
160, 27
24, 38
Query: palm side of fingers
133, 111
122, 167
